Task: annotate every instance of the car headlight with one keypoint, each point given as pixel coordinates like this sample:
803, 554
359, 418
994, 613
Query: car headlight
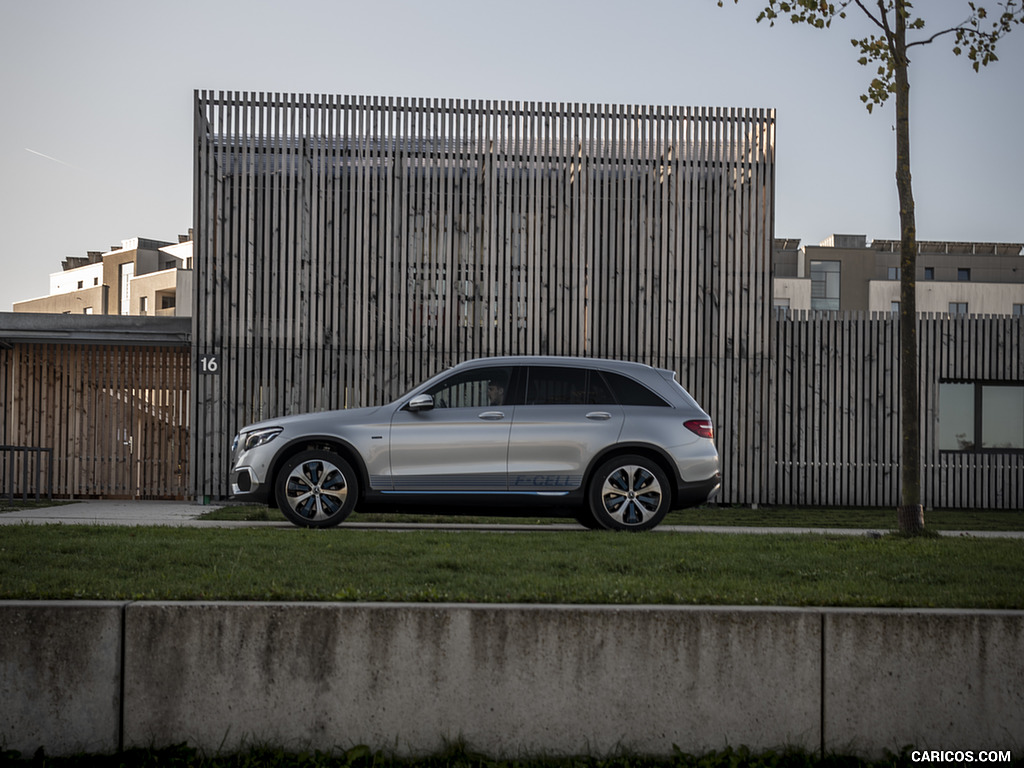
259, 437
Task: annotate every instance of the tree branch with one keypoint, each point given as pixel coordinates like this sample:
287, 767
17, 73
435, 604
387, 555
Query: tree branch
961, 29
868, 13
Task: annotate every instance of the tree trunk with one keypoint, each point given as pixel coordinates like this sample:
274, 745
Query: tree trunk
910, 513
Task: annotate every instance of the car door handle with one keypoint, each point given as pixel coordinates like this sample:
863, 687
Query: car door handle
599, 415
491, 416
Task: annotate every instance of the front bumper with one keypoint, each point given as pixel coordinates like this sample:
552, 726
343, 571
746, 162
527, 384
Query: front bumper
245, 486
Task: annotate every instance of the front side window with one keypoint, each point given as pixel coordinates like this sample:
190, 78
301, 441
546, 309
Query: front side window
958, 307
981, 416
480, 388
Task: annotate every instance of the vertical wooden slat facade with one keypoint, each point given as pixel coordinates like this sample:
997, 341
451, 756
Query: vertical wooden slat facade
114, 415
348, 247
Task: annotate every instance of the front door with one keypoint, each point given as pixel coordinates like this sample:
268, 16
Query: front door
459, 445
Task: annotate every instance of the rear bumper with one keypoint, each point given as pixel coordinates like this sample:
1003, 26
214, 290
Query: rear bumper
700, 492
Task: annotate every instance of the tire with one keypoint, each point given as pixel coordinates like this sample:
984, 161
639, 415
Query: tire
629, 493
585, 518
316, 489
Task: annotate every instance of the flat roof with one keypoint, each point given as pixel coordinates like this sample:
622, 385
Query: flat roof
130, 330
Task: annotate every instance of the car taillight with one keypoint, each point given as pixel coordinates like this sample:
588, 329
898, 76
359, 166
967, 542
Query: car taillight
701, 427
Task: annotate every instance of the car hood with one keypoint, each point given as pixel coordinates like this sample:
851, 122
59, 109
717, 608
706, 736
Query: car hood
334, 418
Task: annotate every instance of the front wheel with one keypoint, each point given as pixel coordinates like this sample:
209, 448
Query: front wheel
629, 493
316, 489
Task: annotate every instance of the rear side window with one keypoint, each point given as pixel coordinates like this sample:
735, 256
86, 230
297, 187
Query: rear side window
566, 386
630, 392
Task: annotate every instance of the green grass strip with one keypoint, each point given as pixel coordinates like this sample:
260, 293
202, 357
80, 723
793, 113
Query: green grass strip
160, 563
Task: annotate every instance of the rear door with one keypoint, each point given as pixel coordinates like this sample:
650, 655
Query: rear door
568, 415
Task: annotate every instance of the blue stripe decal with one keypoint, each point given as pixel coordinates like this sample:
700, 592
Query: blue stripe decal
475, 493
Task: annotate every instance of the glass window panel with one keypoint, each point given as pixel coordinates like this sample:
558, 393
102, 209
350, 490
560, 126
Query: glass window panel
825, 281
631, 392
556, 386
956, 417
473, 389
1002, 417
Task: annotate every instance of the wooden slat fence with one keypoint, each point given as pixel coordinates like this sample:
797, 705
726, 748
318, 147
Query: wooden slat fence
835, 422
115, 417
972, 349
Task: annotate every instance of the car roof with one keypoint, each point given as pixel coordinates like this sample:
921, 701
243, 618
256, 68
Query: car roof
557, 360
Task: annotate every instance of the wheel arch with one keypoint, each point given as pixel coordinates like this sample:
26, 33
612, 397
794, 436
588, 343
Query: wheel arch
317, 443
646, 450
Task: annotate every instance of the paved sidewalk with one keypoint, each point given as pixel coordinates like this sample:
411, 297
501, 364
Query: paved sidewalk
186, 514
103, 512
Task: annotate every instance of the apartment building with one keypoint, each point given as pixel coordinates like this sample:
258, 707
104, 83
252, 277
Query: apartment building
847, 273
140, 277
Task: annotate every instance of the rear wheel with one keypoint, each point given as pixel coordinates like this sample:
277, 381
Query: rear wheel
629, 493
316, 489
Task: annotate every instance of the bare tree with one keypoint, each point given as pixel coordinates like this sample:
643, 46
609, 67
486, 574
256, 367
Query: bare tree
886, 48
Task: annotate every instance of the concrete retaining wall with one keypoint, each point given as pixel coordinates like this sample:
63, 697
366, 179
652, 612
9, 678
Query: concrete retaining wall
509, 680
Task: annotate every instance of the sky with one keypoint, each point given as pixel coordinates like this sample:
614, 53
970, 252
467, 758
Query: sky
96, 129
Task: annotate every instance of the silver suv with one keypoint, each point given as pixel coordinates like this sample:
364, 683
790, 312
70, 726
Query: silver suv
620, 443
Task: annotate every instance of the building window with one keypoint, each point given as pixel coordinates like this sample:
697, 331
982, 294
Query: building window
87, 311
963, 275
825, 285
1018, 310
929, 273
127, 271
81, 284
958, 307
894, 307
143, 304
894, 273
780, 307
981, 416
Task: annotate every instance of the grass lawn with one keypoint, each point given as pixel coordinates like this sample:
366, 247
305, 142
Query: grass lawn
158, 563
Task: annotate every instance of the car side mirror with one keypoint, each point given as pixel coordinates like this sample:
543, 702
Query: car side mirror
420, 403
